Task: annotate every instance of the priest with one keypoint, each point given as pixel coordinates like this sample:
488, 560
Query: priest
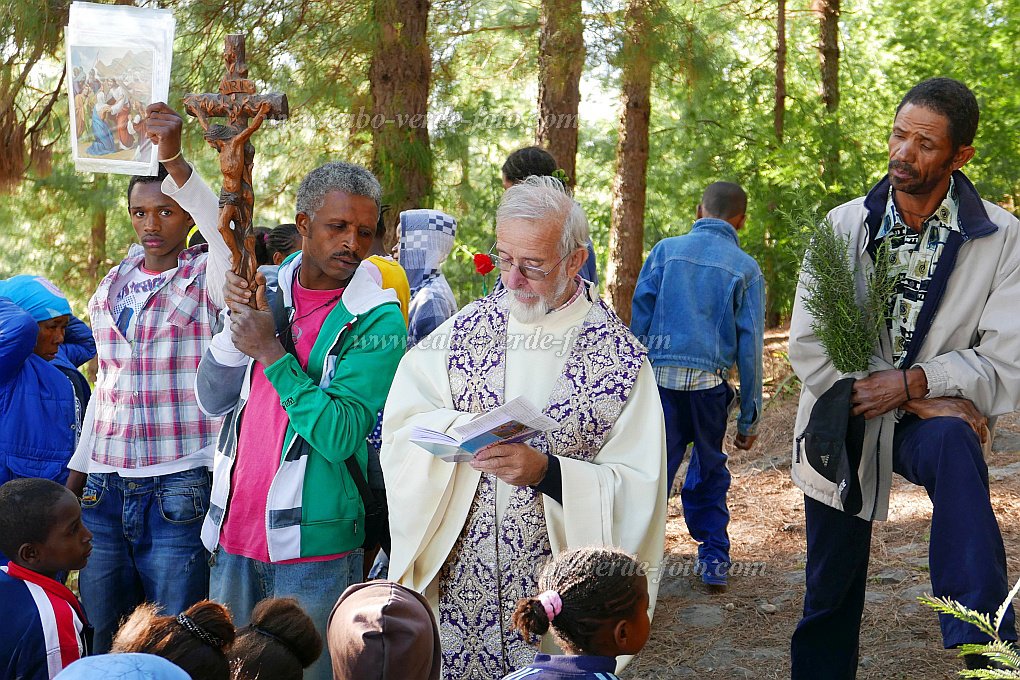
473, 536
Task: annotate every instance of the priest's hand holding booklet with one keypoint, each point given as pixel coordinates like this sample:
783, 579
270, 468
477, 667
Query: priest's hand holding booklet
516, 421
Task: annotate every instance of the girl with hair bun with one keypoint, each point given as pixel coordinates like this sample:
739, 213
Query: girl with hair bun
196, 640
279, 643
595, 602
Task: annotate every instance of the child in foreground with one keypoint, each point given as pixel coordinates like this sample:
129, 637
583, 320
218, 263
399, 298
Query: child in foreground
595, 601
279, 643
381, 630
196, 640
44, 626
123, 667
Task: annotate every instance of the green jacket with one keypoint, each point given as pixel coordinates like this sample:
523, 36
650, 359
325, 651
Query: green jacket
313, 507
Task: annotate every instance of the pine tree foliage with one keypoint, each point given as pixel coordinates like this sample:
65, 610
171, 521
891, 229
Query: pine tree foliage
1003, 653
712, 104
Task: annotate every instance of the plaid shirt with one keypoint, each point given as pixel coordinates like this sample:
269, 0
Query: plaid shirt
146, 412
431, 304
685, 379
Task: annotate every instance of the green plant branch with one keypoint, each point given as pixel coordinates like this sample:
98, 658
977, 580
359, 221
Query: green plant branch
848, 329
1002, 652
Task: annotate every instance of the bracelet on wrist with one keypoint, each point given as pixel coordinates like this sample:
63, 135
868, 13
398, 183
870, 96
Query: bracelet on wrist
172, 158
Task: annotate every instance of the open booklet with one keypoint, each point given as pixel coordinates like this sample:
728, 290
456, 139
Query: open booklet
515, 421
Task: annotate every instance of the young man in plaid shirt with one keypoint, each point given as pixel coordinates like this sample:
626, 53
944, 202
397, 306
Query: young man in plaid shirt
146, 447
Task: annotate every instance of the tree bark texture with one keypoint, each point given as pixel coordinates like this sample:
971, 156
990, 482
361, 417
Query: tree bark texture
779, 109
828, 51
627, 222
400, 74
97, 259
97, 240
560, 62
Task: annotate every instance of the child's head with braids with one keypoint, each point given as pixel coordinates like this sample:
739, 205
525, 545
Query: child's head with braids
594, 599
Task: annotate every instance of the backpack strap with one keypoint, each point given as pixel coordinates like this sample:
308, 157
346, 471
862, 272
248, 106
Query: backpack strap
280, 318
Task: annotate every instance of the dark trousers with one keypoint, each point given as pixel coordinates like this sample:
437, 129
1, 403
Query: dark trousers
966, 558
699, 417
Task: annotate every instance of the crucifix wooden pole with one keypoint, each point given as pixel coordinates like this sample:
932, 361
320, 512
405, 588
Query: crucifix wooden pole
238, 102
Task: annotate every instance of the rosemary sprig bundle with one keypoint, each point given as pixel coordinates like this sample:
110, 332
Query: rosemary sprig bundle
848, 329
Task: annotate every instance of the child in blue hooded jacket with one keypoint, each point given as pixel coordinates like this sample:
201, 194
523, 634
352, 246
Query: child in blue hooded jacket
42, 394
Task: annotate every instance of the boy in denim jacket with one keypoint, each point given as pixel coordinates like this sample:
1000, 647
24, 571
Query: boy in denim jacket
699, 307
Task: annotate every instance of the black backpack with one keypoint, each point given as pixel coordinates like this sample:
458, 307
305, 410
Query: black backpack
377, 524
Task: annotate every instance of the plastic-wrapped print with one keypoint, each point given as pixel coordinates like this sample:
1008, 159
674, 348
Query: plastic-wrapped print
118, 62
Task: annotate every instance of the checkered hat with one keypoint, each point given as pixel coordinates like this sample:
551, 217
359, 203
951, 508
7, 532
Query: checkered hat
426, 239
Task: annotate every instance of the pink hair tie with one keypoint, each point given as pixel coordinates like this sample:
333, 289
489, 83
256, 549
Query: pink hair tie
552, 604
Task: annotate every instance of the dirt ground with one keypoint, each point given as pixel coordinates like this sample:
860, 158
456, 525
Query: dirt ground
745, 632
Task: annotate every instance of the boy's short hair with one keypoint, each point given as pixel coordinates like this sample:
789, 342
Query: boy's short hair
160, 175
26, 512
724, 200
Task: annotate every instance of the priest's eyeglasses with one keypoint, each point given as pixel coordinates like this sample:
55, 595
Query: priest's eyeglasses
527, 271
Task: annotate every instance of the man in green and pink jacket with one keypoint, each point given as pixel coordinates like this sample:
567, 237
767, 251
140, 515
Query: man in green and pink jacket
285, 518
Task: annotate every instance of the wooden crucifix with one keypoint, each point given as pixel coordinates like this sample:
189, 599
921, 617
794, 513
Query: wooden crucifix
237, 101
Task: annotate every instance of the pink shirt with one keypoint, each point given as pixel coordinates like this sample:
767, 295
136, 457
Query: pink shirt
260, 442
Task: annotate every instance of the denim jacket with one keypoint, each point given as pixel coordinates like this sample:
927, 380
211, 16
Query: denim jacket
700, 303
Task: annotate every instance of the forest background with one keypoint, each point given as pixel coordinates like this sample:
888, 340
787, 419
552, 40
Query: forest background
644, 103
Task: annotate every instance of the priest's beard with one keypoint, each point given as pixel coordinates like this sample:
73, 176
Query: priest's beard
534, 312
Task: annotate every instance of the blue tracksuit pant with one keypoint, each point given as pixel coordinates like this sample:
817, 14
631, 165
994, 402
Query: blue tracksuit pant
699, 417
966, 558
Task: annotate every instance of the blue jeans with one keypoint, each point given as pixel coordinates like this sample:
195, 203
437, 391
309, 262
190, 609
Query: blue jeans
966, 558
699, 417
145, 547
241, 582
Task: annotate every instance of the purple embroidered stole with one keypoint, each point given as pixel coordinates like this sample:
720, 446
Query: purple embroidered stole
491, 567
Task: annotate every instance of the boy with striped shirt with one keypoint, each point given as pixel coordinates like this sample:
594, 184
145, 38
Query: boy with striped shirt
45, 628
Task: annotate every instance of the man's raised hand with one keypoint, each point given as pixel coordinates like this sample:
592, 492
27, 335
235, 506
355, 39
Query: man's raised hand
235, 290
253, 330
163, 127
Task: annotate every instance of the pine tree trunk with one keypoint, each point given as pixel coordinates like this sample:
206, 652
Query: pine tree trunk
627, 223
779, 109
828, 50
97, 260
766, 256
399, 77
560, 62
97, 240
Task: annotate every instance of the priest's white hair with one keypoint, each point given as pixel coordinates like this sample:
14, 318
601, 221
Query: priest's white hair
542, 198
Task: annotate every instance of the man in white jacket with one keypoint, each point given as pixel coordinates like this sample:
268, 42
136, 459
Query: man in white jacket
949, 359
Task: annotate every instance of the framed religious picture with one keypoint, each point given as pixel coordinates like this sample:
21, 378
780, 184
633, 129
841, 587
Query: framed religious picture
118, 62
